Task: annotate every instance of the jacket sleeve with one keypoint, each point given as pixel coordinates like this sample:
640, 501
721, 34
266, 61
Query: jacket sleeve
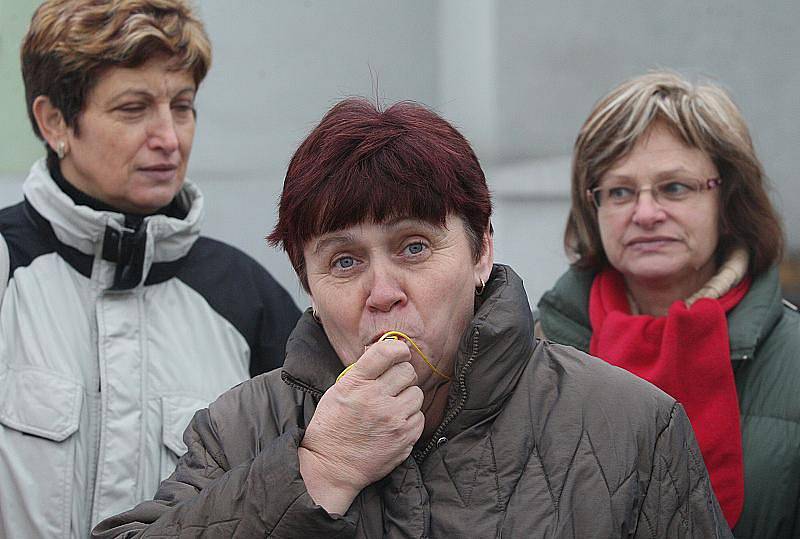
679, 501
206, 496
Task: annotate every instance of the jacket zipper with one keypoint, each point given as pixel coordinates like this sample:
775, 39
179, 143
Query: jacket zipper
421, 455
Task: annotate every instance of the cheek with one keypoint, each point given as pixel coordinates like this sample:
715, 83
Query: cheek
186, 140
340, 314
705, 228
611, 233
120, 150
450, 302
708, 235
341, 332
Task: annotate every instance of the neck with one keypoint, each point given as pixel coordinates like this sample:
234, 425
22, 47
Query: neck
434, 406
654, 297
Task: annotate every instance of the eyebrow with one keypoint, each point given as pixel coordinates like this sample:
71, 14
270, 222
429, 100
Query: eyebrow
401, 223
147, 94
332, 240
392, 225
663, 174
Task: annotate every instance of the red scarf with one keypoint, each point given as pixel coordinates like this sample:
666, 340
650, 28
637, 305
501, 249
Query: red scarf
686, 354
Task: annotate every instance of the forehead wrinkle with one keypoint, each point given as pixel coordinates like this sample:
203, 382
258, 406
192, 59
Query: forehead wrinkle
404, 222
657, 176
167, 83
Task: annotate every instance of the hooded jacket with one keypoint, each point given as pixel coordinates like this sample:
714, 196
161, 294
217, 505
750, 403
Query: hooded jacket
110, 338
539, 440
764, 335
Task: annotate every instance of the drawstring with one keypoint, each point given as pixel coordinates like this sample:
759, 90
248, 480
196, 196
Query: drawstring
396, 335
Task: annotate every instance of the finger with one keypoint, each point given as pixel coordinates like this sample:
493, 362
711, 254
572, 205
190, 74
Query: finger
410, 400
379, 357
398, 377
416, 425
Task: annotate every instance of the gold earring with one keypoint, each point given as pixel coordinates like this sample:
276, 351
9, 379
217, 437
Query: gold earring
479, 290
61, 149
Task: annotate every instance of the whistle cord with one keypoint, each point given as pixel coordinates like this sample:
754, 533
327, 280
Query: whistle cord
396, 335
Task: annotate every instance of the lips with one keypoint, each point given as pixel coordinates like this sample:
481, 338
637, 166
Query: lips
650, 243
377, 336
160, 172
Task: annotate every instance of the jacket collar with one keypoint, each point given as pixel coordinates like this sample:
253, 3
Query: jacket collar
564, 312
492, 352
89, 232
753, 318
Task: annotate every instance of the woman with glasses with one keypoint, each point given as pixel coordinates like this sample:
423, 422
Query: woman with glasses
674, 244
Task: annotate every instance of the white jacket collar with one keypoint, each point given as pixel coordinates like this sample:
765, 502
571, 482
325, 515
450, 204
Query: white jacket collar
84, 228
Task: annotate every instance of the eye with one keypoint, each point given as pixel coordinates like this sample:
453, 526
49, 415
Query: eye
184, 108
674, 189
619, 193
415, 248
344, 263
132, 108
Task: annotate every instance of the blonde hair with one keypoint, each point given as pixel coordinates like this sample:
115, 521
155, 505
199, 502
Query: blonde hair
703, 116
71, 42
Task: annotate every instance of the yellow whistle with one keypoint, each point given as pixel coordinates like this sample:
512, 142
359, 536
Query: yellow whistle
396, 335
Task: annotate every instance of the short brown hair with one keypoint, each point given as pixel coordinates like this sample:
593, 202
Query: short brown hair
703, 116
363, 163
71, 42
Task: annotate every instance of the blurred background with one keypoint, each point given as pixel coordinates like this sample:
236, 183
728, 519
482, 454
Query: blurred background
516, 77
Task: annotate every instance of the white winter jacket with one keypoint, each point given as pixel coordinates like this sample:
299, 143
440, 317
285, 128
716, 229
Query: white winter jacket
102, 367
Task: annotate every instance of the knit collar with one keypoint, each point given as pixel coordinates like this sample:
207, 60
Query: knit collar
729, 275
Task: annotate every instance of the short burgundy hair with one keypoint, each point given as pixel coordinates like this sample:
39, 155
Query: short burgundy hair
362, 163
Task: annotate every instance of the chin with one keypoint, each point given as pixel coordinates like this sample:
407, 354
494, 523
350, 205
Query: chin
653, 272
154, 199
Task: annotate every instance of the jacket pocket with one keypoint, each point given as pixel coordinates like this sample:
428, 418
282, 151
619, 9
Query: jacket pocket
39, 414
176, 413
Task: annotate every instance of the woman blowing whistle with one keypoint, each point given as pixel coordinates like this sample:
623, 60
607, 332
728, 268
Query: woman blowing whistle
462, 425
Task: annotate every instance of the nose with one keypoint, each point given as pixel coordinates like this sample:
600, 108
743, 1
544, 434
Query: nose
646, 211
386, 290
162, 134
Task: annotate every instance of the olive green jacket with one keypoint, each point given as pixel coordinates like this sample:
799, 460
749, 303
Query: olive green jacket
764, 336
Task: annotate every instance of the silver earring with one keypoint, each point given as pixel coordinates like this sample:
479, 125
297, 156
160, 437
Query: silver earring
479, 290
61, 149
315, 315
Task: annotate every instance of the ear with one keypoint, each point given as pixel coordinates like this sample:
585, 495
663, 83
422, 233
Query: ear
314, 309
483, 268
51, 122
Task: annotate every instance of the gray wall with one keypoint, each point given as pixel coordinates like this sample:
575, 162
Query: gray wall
278, 66
517, 77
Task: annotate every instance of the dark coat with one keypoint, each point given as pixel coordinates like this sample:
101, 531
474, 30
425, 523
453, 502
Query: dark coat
764, 335
539, 440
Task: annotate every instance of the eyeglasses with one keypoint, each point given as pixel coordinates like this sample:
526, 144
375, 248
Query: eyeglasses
665, 192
